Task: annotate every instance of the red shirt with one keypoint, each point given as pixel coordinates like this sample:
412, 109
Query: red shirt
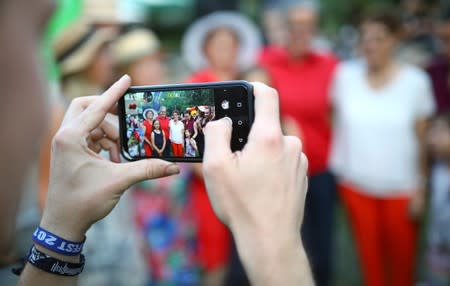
203, 76
303, 86
164, 122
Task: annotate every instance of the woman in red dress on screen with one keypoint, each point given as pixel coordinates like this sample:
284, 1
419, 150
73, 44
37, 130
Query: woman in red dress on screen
218, 47
148, 124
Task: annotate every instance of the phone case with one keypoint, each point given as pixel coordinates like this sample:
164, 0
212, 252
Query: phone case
213, 85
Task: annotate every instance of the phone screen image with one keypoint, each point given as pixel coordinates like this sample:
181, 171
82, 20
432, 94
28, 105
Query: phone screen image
167, 123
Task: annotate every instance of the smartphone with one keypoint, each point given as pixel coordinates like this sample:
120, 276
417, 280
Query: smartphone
167, 121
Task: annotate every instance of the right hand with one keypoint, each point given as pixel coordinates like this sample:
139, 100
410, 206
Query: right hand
261, 190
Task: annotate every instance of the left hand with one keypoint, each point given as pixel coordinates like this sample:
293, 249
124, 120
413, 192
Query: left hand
84, 187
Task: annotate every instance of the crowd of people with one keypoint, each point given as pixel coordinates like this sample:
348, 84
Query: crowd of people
374, 122
178, 135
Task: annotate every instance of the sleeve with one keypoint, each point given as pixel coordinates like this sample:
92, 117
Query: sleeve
425, 105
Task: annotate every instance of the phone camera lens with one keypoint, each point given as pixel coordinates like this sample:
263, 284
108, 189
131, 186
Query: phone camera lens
225, 104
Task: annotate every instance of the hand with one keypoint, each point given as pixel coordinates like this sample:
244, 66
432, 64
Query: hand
84, 187
259, 192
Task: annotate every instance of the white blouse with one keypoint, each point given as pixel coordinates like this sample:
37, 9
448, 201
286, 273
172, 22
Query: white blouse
374, 143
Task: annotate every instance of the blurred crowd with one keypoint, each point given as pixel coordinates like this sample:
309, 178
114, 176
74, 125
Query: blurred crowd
371, 105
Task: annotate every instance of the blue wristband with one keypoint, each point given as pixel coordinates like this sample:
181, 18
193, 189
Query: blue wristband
57, 244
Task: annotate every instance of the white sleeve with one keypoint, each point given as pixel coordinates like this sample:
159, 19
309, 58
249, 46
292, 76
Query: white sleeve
425, 104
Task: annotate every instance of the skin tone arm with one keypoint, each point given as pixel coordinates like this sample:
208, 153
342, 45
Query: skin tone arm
182, 134
144, 128
194, 144
195, 130
418, 200
84, 187
264, 215
164, 141
147, 141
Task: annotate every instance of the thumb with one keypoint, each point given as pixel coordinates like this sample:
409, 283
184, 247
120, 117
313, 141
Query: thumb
135, 172
218, 138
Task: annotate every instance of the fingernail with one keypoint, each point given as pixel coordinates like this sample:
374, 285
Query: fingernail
172, 170
124, 76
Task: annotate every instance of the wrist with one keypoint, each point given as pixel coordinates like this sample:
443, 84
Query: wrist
267, 248
72, 259
62, 228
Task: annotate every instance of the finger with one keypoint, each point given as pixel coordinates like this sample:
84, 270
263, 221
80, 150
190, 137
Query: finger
94, 114
77, 106
134, 172
303, 164
217, 139
108, 145
107, 129
267, 109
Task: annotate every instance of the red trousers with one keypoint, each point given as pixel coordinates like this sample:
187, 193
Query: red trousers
177, 150
384, 235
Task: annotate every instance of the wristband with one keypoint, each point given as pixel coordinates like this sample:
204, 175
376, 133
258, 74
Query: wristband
55, 266
57, 244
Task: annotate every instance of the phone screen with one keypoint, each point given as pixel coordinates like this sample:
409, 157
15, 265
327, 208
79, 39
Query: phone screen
168, 123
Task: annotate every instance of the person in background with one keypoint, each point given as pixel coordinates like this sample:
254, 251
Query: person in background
83, 55
148, 128
190, 145
176, 129
418, 42
165, 121
381, 111
137, 53
439, 67
189, 123
158, 139
438, 230
216, 47
303, 78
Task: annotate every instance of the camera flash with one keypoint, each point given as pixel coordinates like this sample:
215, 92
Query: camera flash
225, 104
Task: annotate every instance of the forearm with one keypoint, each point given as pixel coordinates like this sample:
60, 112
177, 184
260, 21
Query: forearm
274, 260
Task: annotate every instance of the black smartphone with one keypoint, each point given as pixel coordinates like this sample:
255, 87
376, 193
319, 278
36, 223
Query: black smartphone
167, 121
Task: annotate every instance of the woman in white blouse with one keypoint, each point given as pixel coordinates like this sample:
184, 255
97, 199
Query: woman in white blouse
381, 109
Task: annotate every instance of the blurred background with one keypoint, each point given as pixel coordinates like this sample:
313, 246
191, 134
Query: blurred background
164, 231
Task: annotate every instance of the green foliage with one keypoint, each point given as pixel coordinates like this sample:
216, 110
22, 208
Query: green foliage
182, 99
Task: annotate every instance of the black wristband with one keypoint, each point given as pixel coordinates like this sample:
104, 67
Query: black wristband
55, 266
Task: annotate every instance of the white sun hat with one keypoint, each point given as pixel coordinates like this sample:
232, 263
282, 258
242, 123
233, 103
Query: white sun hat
248, 34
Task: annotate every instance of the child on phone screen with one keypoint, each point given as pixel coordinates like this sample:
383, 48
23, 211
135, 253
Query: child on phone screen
190, 144
158, 139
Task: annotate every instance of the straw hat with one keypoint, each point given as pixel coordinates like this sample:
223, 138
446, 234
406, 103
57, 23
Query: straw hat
248, 33
76, 47
133, 45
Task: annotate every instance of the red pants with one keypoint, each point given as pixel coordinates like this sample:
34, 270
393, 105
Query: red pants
177, 150
385, 237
